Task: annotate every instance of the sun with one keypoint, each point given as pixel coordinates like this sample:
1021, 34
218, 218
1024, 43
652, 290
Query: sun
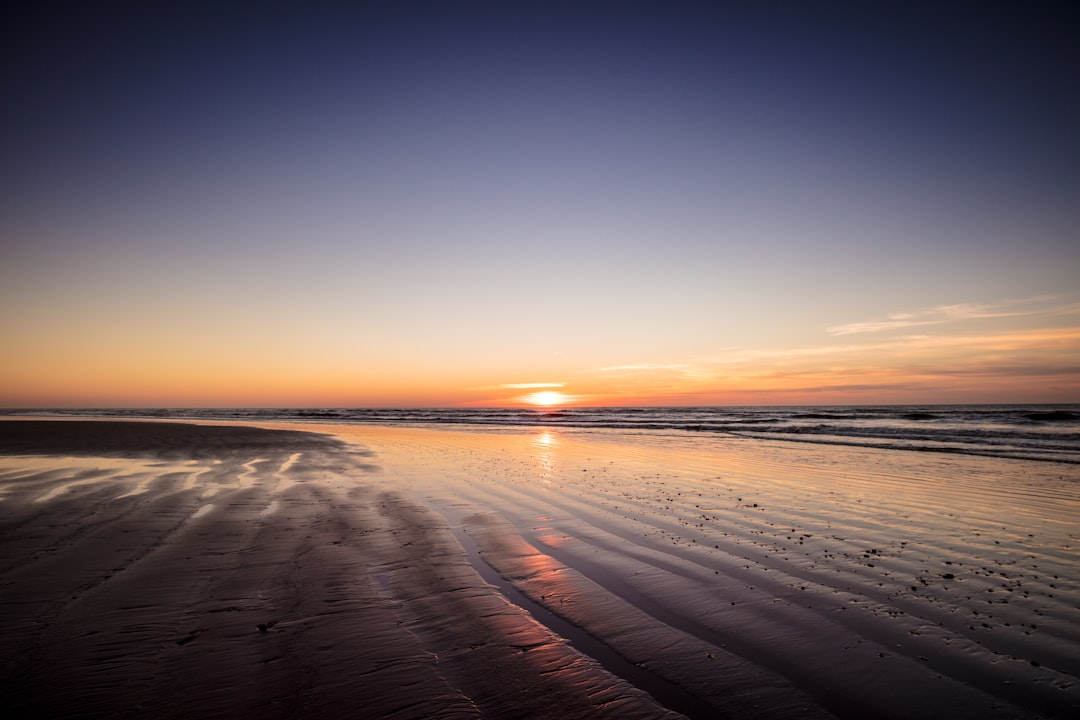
547, 398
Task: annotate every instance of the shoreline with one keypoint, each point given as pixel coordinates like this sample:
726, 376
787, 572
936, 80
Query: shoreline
1037, 432
761, 582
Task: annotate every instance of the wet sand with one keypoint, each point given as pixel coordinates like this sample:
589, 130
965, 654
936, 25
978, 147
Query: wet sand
176, 570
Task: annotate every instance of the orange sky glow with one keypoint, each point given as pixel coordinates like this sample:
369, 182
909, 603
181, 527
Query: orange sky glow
959, 360
667, 206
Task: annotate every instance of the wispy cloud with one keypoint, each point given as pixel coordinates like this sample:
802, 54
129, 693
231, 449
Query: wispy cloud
676, 372
644, 367
957, 313
896, 368
530, 386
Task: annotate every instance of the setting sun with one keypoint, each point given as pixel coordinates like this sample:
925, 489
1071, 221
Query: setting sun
546, 398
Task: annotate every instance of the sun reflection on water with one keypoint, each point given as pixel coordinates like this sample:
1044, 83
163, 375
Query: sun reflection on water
545, 443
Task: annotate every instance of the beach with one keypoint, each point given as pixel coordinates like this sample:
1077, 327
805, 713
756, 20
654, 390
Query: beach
174, 569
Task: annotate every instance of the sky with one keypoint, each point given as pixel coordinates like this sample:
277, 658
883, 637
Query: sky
462, 204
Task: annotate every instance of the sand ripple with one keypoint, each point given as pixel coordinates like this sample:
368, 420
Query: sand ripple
348, 597
426, 573
854, 582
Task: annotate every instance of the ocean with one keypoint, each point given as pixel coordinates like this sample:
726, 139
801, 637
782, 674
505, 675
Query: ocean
1025, 432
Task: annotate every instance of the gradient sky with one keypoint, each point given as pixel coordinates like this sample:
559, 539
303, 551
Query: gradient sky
373, 204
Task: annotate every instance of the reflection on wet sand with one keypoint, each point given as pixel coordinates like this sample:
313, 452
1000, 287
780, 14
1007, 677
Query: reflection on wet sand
311, 586
182, 569
779, 580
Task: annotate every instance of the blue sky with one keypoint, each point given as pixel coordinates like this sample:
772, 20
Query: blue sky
410, 203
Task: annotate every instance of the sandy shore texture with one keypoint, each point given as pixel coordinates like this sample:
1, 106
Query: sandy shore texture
212, 570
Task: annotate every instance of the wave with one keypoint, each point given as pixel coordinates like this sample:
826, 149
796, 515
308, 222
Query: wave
1033, 432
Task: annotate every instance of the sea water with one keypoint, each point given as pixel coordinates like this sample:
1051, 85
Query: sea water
1028, 432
